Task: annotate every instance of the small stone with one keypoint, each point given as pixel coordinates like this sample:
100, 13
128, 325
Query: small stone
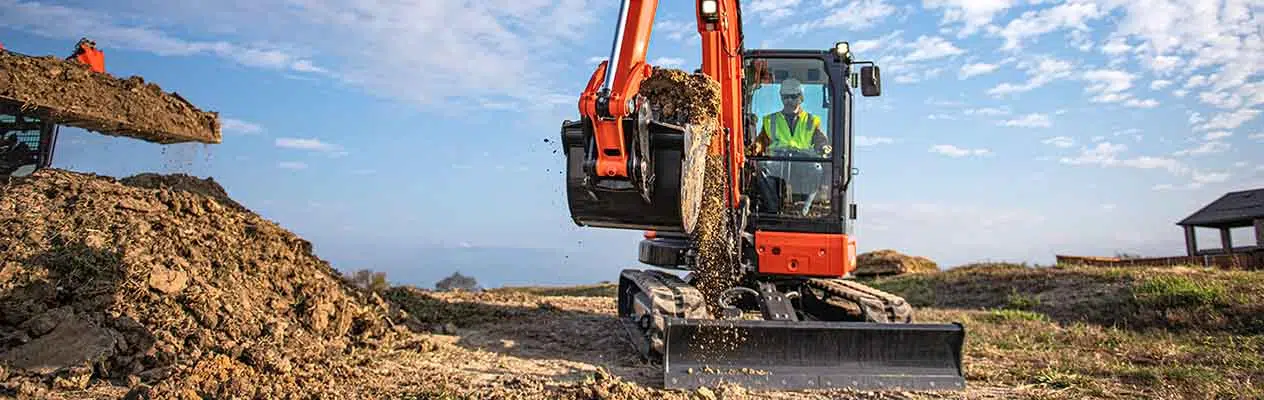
166, 280
139, 392
44, 323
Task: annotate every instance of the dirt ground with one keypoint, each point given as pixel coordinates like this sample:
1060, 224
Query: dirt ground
75, 96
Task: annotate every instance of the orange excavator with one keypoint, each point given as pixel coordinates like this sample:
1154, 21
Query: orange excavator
788, 203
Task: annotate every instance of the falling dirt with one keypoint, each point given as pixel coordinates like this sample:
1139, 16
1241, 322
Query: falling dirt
73, 95
694, 100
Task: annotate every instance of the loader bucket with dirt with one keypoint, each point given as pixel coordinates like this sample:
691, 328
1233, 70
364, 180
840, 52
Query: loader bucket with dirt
786, 355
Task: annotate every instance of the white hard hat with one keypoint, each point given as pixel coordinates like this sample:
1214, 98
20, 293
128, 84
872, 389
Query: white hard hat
791, 86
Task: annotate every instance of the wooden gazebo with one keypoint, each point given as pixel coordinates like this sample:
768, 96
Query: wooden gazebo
1233, 210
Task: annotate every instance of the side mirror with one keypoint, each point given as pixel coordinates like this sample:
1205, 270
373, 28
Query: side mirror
870, 81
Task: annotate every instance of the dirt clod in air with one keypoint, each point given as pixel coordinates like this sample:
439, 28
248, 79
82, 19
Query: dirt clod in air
163, 281
74, 95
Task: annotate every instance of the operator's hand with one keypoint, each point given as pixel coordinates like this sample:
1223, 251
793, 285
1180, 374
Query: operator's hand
827, 149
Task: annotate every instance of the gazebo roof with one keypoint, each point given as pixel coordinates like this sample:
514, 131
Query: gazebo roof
1234, 209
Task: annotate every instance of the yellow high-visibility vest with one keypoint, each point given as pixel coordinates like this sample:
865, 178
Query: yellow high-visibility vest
779, 130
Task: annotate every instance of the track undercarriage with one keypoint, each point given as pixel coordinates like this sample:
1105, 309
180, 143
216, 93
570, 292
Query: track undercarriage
786, 334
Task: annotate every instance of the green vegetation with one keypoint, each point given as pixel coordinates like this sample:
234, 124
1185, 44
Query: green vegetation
1168, 292
598, 290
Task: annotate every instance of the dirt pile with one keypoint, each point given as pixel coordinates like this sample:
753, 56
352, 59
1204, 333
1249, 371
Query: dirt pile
891, 262
73, 95
168, 292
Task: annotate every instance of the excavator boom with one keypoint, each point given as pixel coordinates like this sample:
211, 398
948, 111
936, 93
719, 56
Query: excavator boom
813, 328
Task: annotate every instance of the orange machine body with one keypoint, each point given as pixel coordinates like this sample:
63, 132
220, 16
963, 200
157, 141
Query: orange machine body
805, 254
95, 59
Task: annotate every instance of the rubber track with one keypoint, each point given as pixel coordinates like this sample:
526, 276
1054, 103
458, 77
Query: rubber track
880, 306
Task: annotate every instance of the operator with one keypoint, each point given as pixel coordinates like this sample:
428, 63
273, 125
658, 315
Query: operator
13, 154
775, 131
86, 53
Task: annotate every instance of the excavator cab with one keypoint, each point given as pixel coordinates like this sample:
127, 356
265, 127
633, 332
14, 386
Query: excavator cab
26, 141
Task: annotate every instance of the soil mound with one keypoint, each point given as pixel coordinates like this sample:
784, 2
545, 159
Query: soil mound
73, 95
172, 292
891, 262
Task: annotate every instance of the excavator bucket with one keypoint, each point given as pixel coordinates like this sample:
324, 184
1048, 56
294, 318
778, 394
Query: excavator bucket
799, 355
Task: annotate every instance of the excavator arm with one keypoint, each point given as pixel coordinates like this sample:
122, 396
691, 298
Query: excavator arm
610, 99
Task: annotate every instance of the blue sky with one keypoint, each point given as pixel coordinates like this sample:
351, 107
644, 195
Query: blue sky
385, 132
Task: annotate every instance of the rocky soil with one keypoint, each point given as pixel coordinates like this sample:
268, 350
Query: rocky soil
73, 95
163, 285
891, 262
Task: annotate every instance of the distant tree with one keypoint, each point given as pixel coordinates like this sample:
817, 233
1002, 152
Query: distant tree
368, 280
457, 282
1126, 256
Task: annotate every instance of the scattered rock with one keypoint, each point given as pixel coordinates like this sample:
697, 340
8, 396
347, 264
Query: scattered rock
167, 280
73, 342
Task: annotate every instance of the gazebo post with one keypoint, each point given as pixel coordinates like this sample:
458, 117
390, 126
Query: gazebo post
1226, 240
1259, 233
1191, 241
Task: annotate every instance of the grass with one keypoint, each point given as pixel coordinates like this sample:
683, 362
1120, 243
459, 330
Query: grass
598, 290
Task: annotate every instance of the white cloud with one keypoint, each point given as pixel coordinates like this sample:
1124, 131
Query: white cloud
972, 14
1229, 120
1216, 135
976, 69
1097, 139
1106, 154
239, 126
988, 111
1116, 46
596, 59
1256, 136
866, 141
1160, 84
1108, 86
1029, 121
1147, 103
1059, 141
1073, 14
769, 11
888, 40
930, 48
1205, 148
1108, 207
1040, 71
668, 62
1210, 177
954, 151
855, 16
307, 144
294, 165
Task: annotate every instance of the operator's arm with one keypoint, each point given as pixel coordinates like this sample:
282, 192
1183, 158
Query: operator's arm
761, 142
821, 141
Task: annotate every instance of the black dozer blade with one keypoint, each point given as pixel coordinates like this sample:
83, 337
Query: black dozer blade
801, 355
